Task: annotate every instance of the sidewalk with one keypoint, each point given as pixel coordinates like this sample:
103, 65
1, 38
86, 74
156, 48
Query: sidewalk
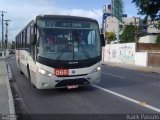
134, 67
4, 107
6, 98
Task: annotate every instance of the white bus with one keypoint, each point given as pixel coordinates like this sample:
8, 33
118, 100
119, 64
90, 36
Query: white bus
57, 51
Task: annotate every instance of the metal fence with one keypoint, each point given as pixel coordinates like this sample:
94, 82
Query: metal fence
154, 59
153, 53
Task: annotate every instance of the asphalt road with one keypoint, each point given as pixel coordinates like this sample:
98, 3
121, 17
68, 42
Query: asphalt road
143, 87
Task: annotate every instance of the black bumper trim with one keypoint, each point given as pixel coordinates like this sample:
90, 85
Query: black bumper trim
68, 82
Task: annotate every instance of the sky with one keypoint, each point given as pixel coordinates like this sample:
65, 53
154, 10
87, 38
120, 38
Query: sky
20, 12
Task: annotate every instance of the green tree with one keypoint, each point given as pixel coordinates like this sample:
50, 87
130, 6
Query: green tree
158, 25
109, 36
13, 45
128, 34
158, 39
148, 8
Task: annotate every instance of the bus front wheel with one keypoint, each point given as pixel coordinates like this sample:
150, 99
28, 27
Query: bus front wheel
28, 71
20, 67
29, 76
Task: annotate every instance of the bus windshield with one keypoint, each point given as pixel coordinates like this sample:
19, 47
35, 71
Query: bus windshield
68, 40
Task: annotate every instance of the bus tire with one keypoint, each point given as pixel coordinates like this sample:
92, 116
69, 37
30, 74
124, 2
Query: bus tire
20, 67
29, 76
28, 73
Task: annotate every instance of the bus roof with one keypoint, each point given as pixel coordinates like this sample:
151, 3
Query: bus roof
66, 17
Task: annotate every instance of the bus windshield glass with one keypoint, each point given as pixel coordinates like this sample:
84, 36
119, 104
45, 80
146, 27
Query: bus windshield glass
68, 40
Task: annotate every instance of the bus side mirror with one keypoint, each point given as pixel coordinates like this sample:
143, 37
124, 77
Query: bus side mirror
102, 40
33, 39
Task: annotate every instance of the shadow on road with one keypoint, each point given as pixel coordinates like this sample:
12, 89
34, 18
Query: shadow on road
61, 91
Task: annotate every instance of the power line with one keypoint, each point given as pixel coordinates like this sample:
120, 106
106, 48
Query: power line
96, 13
14, 28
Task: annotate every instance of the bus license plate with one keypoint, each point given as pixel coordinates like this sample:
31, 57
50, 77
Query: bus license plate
72, 86
61, 72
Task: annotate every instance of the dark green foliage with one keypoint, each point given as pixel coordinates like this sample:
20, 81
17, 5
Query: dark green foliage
158, 39
148, 8
158, 25
128, 34
109, 36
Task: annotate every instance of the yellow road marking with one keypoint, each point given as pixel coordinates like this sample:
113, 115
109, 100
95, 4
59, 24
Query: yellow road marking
143, 104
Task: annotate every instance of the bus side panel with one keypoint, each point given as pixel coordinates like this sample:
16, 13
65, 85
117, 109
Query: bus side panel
33, 70
25, 59
17, 57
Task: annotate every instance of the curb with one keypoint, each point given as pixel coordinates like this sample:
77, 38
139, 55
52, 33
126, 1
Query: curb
10, 101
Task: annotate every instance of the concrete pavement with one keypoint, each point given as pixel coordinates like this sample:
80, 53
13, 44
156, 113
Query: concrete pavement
6, 97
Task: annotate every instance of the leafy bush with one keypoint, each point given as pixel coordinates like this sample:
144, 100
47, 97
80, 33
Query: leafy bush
158, 39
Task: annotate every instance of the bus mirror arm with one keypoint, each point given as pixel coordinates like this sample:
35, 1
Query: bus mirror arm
33, 39
102, 40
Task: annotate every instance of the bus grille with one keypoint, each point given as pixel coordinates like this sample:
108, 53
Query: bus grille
68, 82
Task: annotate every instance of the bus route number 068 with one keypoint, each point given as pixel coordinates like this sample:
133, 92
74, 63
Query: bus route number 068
61, 72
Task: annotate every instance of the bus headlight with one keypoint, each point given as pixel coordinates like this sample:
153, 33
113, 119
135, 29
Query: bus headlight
97, 69
44, 72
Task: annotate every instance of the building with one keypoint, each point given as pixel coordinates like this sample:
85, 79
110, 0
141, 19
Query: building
148, 31
111, 24
152, 32
152, 29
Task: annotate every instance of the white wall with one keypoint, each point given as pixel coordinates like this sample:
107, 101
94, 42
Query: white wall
148, 39
141, 58
121, 53
4, 54
7, 52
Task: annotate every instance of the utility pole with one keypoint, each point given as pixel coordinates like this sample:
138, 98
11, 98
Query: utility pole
136, 39
135, 20
2, 14
6, 34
